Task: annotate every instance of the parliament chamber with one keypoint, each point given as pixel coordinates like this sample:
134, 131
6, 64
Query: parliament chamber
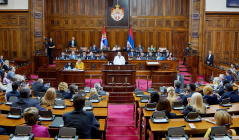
119, 69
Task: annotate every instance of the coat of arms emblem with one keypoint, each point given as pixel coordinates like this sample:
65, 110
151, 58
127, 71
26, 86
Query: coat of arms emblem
117, 14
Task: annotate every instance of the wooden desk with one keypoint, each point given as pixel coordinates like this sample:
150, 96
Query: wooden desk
40, 61
201, 127
71, 77
49, 75
101, 104
3, 137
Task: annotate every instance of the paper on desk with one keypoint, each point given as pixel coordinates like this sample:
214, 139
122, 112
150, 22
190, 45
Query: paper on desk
20, 138
177, 138
221, 138
14, 116
160, 120
45, 118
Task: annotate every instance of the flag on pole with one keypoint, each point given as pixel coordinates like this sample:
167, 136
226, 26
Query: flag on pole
103, 39
130, 39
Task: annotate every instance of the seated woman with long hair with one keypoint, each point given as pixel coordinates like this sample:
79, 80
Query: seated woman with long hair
80, 65
93, 91
208, 94
49, 97
31, 116
172, 95
222, 118
196, 102
68, 66
164, 104
216, 82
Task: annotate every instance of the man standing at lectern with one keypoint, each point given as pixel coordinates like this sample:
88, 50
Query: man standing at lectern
119, 60
73, 43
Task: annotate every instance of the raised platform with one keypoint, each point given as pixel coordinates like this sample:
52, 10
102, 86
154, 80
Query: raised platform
121, 97
108, 88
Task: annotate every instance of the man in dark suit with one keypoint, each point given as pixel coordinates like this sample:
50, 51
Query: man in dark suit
167, 54
24, 101
73, 56
94, 49
221, 91
229, 76
151, 57
177, 85
132, 53
189, 93
210, 58
102, 56
62, 56
72, 43
229, 93
127, 48
142, 57
2, 60
139, 48
83, 56
83, 121
91, 56
38, 87
105, 48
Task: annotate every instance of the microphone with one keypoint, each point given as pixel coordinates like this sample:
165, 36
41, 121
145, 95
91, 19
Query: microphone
183, 126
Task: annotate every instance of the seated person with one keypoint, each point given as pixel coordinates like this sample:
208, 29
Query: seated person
164, 105
172, 95
2, 60
6, 65
69, 95
196, 102
154, 98
170, 56
93, 91
177, 85
229, 76
72, 43
91, 56
116, 48
222, 118
94, 49
5, 80
229, 93
62, 56
139, 48
119, 59
80, 65
128, 47
208, 94
3, 131
15, 90
83, 56
190, 91
11, 73
102, 56
222, 77
82, 120
2, 87
24, 101
31, 116
62, 87
160, 57
38, 87
142, 57
73, 56
158, 52
167, 54
151, 57
68, 66
99, 89
49, 97
105, 48
216, 82
233, 68
152, 48
132, 53
220, 91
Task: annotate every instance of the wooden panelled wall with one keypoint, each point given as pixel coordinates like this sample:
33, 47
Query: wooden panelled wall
163, 23
221, 36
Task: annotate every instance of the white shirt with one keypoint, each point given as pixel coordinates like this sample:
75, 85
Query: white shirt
73, 42
209, 56
119, 60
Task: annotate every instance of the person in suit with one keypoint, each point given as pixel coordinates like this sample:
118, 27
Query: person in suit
73, 56
91, 56
210, 58
62, 56
160, 57
139, 48
102, 56
229, 93
69, 65
164, 105
220, 91
2, 131
170, 56
132, 53
11, 73
49, 97
72, 43
167, 54
83, 121
221, 78
116, 48
152, 48
158, 52
31, 116
24, 101
190, 91
2, 60
15, 90
229, 76
94, 49
69, 95
38, 87
51, 46
177, 85
6, 65
80, 65
83, 56
151, 57
105, 48
208, 94
127, 48
62, 88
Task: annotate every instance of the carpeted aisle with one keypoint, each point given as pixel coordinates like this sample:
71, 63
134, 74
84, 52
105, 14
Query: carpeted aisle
120, 123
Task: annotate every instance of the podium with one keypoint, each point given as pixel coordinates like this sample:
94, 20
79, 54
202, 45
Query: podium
119, 77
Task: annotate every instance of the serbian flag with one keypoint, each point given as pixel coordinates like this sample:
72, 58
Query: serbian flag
130, 39
103, 39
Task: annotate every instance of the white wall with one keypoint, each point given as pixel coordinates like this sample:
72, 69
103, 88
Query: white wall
219, 5
15, 4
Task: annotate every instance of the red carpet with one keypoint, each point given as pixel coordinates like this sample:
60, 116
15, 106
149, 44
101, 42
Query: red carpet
120, 123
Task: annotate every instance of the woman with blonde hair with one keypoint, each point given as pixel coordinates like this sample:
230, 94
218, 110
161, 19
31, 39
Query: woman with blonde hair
216, 82
62, 87
6, 65
222, 118
172, 95
196, 102
208, 94
80, 65
49, 97
93, 91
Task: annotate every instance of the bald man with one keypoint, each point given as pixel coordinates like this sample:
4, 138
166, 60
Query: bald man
119, 59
